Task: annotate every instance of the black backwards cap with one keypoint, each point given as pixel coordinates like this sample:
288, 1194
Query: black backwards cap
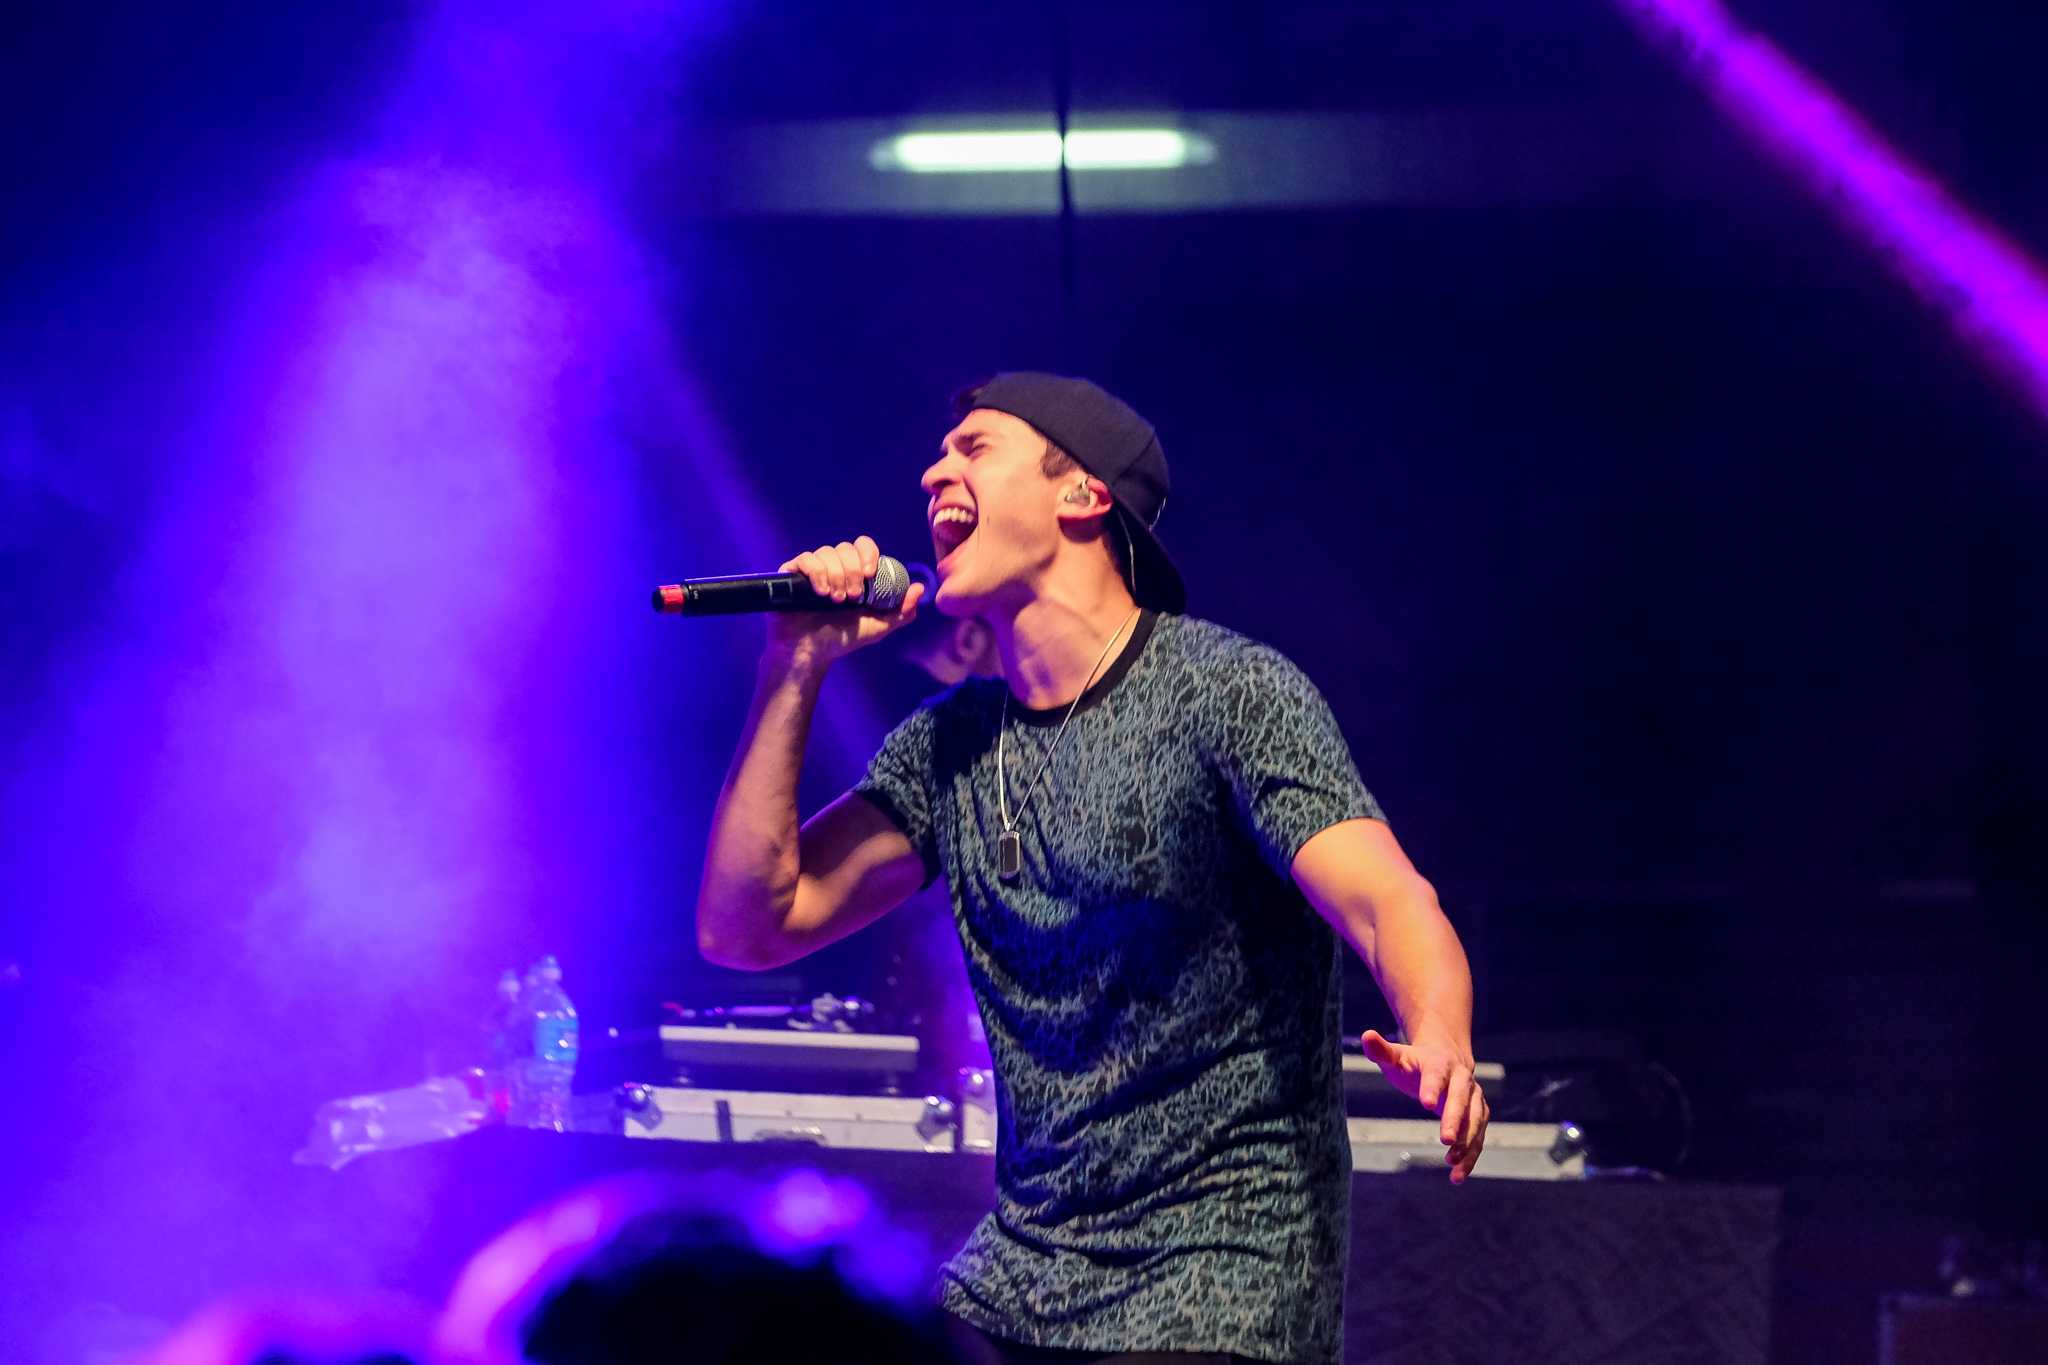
1110, 440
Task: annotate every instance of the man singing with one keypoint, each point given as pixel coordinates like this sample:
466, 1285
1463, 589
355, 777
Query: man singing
1154, 837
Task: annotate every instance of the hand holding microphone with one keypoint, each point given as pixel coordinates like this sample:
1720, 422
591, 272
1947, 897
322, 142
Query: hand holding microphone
840, 597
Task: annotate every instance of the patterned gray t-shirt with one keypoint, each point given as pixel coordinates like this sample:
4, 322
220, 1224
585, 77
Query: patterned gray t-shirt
1160, 999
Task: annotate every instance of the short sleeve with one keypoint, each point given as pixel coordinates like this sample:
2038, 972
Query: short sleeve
898, 783
1290, 772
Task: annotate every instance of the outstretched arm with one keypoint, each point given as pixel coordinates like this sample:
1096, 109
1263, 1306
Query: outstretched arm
1358, 878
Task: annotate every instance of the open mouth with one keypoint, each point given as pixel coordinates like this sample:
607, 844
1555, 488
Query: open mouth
951, 528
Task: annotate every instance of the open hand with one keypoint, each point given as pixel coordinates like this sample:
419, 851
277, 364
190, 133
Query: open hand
1441, 1080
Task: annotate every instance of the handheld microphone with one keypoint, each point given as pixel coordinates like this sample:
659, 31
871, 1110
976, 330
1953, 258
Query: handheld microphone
736, 594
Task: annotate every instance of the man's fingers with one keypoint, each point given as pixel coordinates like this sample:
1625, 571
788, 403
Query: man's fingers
840, 572
1378, 1050
1465, 1155
817, 566
906, 610
851, 581
1431, 1093
1458, 1093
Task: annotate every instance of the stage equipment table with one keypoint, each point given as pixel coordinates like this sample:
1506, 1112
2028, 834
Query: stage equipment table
1592, 1272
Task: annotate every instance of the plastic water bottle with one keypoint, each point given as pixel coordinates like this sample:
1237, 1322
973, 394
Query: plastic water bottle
508, 1041
551, 1068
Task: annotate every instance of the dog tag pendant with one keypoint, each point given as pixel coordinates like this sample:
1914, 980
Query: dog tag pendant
1009, 855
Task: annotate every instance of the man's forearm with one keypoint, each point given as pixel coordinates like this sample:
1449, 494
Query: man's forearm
1421, 969
751, 863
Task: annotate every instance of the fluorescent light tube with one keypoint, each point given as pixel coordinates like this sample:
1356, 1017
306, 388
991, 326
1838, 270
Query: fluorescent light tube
996, 152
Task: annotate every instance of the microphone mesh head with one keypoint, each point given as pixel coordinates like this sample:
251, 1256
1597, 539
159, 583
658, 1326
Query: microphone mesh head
886, 588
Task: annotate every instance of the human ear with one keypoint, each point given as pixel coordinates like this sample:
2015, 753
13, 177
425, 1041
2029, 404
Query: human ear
1090, 495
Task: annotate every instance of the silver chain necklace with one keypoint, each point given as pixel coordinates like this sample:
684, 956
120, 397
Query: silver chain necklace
1010, 844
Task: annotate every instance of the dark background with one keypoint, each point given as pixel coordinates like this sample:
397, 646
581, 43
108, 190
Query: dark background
1669, 564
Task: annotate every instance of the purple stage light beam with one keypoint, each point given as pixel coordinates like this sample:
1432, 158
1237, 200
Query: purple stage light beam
1991, 292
